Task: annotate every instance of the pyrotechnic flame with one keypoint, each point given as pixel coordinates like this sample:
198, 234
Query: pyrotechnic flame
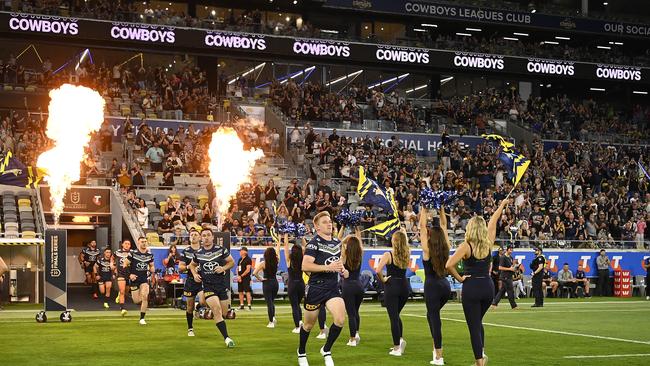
230, 165
74, 113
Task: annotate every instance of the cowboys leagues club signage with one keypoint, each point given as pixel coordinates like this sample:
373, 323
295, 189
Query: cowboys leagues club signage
440, 10
123, 34
80, 200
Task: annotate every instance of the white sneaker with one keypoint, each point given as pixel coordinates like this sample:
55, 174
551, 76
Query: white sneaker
302, 360
402, 345
190, 332
647, 297
143, 322
352, 343
437, 361
323, 334
327, 356
296, 330
275, 321
357, 337
270, 325
123, 312
397, 353
229, 342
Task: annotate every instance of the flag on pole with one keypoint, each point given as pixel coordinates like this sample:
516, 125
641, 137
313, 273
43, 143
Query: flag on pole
14, 173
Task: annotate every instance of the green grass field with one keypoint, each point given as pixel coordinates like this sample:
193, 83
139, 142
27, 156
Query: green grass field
617, 329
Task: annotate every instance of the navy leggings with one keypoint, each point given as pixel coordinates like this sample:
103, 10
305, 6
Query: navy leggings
270, 290
296, 294
436, 294
477, 298
396, 294
353, 296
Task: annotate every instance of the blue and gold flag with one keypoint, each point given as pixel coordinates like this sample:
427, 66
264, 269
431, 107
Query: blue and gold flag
516, 165
372, 194
386, 228
15, 173
643, 170
506, 145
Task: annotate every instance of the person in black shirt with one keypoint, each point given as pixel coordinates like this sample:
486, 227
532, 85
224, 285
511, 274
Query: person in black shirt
495, 268
87, 259
244, 278
295, 283
104, 268
537, 266
191, 288
506, 270
582, 281
322, 260
210, 266
140, 261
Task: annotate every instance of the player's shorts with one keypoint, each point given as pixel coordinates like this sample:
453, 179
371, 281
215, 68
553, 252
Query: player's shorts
315, 297
122, 275
244, 286
90, 268
191, 288
135, 284
105, 277
210, 290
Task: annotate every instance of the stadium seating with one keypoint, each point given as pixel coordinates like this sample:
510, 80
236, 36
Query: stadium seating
18, 215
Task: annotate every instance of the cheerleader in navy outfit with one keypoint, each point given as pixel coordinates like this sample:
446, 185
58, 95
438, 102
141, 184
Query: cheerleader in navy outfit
435, 253
270, 283
478, 288
396, 287
352, 288
295, 284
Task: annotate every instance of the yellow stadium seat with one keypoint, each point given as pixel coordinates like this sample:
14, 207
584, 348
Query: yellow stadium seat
153, 238
203, 199
163, 207
24, 202
29, 235
175, 197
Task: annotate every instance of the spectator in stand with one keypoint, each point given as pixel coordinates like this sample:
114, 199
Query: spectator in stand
582, 281
155, 156
165, 228
142, 213
547, 281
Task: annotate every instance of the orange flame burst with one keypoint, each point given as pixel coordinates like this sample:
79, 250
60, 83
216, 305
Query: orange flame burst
230, 165
74, 113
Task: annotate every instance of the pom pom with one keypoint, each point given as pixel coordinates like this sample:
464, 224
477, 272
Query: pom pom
301, 230
287, 227
349, 218
431, 199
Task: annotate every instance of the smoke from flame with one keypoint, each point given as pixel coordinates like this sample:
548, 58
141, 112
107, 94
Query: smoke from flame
74, 113
230, 165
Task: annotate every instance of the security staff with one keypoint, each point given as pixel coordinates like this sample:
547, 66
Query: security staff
506, 270
537, 266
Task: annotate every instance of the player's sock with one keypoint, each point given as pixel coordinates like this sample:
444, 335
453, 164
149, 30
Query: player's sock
304, 336
121, 306
331, 337
190, 319
142, 315
222, 328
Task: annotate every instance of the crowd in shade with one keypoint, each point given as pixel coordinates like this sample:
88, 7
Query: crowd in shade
254, 21
312, 101
23, 135
556, 118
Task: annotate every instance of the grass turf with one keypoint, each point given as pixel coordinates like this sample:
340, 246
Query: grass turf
527, 336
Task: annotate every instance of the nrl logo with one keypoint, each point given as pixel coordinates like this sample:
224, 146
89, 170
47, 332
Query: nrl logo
75, 197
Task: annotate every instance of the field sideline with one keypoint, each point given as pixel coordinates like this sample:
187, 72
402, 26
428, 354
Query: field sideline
565, 332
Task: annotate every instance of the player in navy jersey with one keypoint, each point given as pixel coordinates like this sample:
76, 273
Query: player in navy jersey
191, 288
104, 268
142, 269
435, 253
87, 259
322, 260
210, 266
122, 270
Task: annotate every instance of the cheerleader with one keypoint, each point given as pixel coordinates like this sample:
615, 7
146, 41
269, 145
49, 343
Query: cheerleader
352, 249
269, 281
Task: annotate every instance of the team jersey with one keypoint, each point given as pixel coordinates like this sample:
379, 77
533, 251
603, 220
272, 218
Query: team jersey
140, 263
122, 256
186, 257
324, 252
580, 275
104, 265
90, 255
536, 262
208, 260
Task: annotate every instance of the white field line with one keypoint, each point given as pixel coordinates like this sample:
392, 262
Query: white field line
610, 356
543, 330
